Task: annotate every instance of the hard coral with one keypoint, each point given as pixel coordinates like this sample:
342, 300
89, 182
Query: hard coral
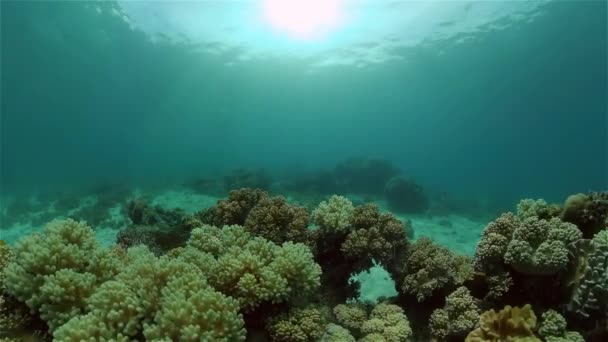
553, 328
278, 221
588, 211
430, 267
299, 325
541, 246
252, 269
234, 209
55, 272
537, 208
459, 316
350, 316
386, 322
336, 333
494, 241
591, 295
376, 236
509, 324
166, 298
333, 215
531, 246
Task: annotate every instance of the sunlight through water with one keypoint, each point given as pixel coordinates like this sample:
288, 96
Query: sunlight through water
304, 19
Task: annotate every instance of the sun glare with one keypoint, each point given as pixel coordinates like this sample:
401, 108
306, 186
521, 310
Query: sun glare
304, 19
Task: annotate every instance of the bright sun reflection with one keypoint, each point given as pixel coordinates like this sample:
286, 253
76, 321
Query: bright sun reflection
304, 19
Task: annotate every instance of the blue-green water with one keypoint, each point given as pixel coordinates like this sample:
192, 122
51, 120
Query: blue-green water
514, 108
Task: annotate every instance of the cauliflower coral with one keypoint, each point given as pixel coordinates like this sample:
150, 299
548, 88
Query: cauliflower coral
252, 269
530, 245
459, 316
334, 214
386, 322
430, 267
56, 271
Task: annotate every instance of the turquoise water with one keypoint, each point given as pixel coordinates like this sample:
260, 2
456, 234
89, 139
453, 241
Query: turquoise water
479, 103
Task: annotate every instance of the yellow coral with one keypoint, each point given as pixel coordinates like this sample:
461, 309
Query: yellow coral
55, 271
509, 324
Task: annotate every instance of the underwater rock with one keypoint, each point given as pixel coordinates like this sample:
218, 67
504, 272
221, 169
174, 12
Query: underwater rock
365, 176
404, 195
247, 178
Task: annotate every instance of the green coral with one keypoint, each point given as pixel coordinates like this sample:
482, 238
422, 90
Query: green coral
459, 316
537, 208
299, 325
350, 316
333, 215
431, 267
336, 333
55, 272
276, 220
386, 322
553, 328
541, 246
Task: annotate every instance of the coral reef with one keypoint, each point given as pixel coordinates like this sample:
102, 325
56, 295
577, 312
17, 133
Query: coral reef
404, 195
254, 267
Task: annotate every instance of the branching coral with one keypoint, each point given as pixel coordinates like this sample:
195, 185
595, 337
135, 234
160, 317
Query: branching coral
164, 298
234, 209
386, 322
334, 214
55, 272
276, 220
459, 316
509, 324
299, 325
430, 267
